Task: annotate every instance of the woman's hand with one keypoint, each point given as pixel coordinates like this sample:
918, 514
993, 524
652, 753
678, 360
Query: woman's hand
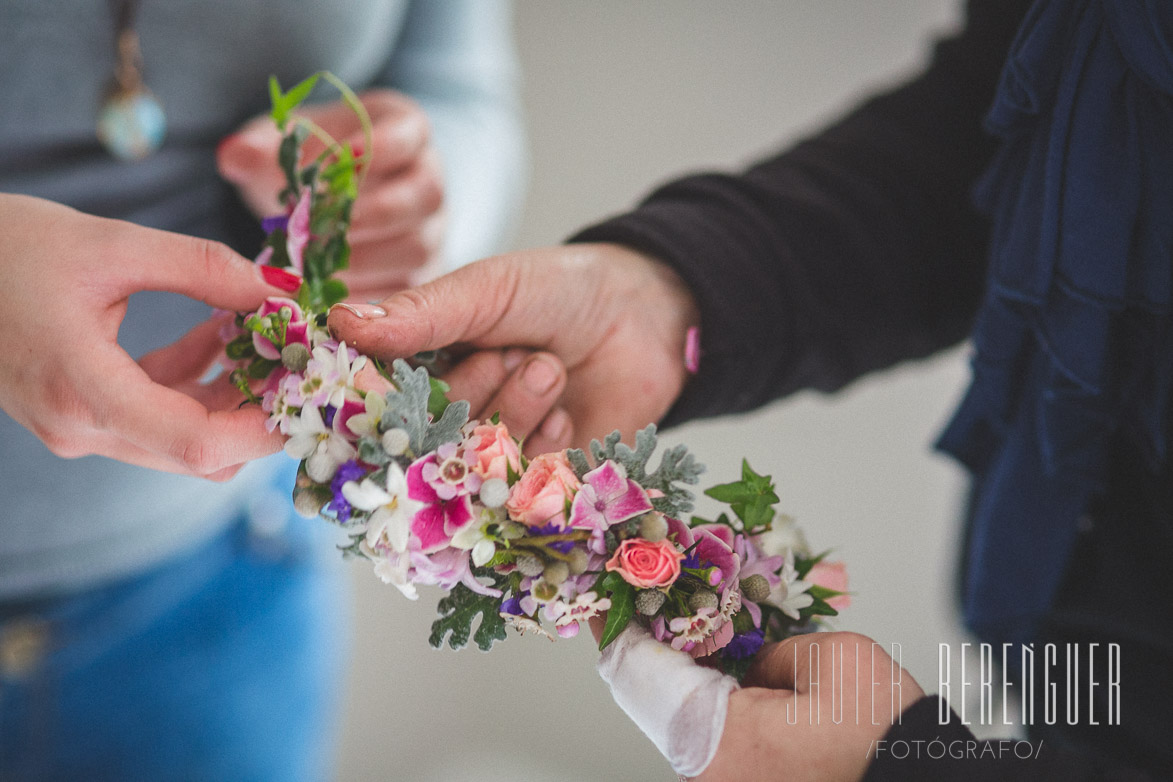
66, 278
614, 318
398, 220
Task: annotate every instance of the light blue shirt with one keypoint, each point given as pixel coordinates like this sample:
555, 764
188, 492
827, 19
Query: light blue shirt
69, 524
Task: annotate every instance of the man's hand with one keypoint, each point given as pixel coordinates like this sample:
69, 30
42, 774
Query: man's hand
614, 318
782, 724
397, 225
67, 277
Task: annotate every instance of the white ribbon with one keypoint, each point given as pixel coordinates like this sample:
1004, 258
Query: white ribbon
678, 704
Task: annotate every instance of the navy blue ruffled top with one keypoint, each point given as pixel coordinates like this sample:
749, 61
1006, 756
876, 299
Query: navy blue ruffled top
1072, 347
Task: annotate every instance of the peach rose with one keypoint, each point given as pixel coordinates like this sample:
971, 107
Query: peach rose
832, 575
495, 451
645, 564
541, 495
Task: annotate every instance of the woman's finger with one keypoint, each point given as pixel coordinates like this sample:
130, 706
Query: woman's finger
188, 358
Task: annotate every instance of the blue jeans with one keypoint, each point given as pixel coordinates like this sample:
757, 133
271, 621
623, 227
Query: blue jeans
222, 664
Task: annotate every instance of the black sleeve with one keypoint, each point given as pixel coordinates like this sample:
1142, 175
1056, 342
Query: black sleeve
854, 250
921, 750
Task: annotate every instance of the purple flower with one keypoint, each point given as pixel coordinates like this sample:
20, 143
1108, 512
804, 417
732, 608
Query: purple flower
347, 471
275, 223
564, 546
513, 604
607, 497
330, 411
744, 645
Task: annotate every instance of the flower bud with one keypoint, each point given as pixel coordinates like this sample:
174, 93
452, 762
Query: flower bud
544, 591
494, 492
703, 599
395, 441
295, 356
511, 530
649, 601
578, 561
529, 565
556, 573
755, 588
307, 502
653, 527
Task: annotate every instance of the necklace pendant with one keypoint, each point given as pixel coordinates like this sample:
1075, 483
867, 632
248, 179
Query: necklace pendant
131, 123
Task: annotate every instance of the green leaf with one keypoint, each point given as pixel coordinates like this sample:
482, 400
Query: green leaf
457, 613
438, 398
622, 607
260, 368
817, 608
803, 565
284, 104
240, 348
751, 499
823, 593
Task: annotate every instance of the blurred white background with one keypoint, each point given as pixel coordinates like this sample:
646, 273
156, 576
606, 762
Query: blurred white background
621, 95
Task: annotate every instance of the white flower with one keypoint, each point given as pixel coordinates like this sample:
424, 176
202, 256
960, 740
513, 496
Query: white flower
367, 424
784, 535
392, 568
790, 595
391, 509
475, 537
322, 449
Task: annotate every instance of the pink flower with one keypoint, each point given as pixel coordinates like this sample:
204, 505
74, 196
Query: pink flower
645, 564
755, 563
713, 551
298, 231
607, 498
832, 575
449, 472
296, 331
540, 497
439, 519
495, 450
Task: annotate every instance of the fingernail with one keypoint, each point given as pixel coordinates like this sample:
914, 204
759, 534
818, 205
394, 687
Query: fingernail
540, 376
513, 358
356, 150
363, 311
692, 350
281, 278
554, 426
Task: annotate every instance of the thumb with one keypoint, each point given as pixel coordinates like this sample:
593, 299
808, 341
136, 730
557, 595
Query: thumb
523, 299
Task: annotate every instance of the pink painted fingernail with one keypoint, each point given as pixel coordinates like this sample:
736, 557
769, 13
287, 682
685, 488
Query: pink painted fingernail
692, 350
281, 278
362, 311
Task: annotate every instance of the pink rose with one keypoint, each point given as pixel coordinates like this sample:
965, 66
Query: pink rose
832, 575
645, 564
540, 497
495, 451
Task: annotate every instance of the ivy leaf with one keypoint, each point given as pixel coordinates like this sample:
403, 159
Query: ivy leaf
622, 607
458, 611
752, 498
285, 103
